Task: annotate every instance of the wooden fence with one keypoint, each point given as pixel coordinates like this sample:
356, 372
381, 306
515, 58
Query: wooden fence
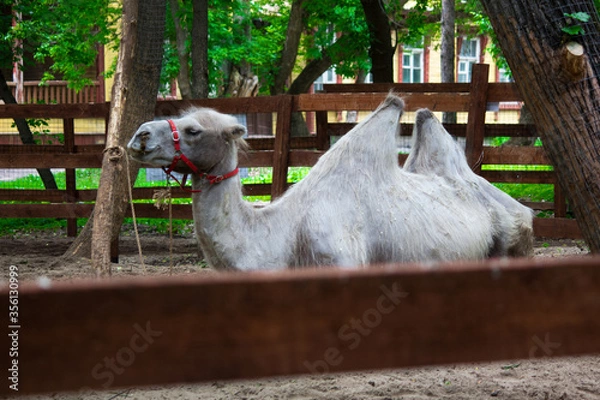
156, 331
33, 92
283, 151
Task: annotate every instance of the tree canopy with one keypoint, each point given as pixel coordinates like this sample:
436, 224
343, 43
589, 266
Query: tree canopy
250, 36
66, 33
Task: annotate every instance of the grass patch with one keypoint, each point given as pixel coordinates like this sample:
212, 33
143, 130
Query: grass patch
528, 191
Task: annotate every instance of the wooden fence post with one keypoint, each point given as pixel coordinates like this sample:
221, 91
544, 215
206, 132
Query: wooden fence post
281, 152
476, 118
323, 140
70, 180
560, 202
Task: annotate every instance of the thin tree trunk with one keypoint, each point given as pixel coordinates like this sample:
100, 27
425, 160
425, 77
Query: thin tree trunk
200, 49
133, 102
381, 50
25, 133
563, 97
448, 50
290, 47
183, 78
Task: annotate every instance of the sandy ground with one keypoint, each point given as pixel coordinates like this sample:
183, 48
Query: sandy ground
564, 378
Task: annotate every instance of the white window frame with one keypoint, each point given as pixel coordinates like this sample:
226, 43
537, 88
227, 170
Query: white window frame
466, 60
413, 53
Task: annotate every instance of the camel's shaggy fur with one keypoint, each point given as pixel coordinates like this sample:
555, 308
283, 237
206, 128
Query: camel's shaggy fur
355, 207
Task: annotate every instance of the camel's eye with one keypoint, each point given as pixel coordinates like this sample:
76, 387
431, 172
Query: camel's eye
193, 131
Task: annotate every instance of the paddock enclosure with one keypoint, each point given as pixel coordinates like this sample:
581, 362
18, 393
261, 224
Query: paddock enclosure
82, 335
283, 151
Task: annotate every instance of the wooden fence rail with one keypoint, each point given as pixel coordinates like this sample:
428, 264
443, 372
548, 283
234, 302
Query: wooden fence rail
283, 151
156, 331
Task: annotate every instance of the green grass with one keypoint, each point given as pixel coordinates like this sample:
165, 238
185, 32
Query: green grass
528, 191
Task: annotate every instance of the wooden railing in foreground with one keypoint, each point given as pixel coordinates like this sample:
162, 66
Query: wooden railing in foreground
283, 151
157, 331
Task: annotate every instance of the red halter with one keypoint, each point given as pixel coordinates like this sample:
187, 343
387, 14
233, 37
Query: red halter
179, 156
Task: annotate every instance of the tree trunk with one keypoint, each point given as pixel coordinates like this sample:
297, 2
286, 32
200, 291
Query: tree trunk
133, 102
563, 102
200, 49
525, 118
381, 50
448, 50
290, 47
183, 78
25, 133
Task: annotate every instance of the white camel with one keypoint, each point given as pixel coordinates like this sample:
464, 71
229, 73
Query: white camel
355, 207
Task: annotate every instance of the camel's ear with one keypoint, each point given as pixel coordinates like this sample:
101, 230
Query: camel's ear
234, 132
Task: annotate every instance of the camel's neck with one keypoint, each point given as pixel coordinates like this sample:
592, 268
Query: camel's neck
220, 214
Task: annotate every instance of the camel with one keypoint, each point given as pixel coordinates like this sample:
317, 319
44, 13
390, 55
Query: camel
356, 206
435, 152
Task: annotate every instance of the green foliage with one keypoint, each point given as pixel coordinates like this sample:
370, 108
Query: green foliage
66, 32
573, 27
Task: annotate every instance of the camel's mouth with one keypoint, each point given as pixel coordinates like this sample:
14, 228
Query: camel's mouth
140, 152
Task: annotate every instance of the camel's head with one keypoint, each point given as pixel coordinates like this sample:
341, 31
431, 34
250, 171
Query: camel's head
206, 137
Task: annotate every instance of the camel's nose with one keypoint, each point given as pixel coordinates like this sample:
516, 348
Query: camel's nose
137, 144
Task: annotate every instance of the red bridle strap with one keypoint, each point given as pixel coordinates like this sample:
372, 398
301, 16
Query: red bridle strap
179, 156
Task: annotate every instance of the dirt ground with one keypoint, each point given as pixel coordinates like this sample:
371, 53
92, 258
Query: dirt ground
564, 378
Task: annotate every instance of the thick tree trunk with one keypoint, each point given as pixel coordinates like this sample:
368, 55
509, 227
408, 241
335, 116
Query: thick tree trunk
381, 50
564, 103
25, 133
290, 48
200, 49
448, 50
183, 78
133, 102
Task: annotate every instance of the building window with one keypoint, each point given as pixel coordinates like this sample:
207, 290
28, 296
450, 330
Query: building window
328, 77
504, 76
412, 65
468, 55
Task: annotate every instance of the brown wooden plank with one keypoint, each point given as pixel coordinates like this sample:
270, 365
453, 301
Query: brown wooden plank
237, 105
476, 118
503, 91
39, 160
556, 228
399, 88
497, 91
323, 132
370, 101
268, 143
560, 201
64, 210
515, 155
512, 130
32, 195
282, 146
263, 158
539, 205
519, 176
304, 158
79, 110
168, 330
